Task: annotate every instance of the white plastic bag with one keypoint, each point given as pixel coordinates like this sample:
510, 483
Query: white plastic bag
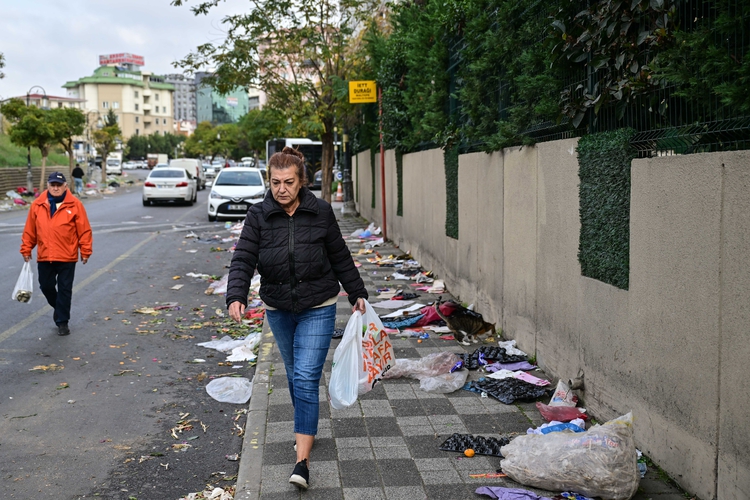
237, 390
600, 462
24, 285
347, 370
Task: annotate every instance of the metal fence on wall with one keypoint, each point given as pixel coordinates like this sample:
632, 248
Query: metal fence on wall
665, 119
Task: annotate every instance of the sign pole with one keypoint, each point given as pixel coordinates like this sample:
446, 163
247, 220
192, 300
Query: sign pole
382, 161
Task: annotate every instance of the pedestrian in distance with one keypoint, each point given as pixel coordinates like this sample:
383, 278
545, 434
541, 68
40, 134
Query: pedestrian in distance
77, 175
294, 241
58, 226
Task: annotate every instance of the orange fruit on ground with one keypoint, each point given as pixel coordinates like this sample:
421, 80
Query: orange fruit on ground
469, 452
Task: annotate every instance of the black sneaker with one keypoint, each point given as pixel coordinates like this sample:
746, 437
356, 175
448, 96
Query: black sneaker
301, 475
62, 329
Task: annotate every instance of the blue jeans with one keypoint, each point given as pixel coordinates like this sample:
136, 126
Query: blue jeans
303, 341
79, 185
56, 283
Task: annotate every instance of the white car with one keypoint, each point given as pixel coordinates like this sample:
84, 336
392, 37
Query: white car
170, 184
233, 191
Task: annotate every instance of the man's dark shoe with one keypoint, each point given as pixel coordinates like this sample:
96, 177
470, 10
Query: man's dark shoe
62, 329
301, 475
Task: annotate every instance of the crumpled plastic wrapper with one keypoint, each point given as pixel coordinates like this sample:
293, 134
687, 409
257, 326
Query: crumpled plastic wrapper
601, 462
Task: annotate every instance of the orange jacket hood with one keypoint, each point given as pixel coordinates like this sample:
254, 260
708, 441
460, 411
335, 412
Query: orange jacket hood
58, 238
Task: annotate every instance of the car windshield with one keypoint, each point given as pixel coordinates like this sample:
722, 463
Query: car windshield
229, 178
167, 173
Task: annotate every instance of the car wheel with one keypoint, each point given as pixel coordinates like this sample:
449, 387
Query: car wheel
189, 202
211, 218
146, 202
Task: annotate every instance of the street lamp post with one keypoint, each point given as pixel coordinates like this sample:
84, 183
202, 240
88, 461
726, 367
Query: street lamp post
29, 175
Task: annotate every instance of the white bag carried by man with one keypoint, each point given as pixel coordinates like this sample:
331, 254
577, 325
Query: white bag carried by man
24, 285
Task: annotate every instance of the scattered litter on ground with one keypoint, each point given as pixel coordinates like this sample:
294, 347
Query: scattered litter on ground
480, 444
211, 493
177, 287
502, 493
436, 372
600, 462
47, 368
577, 425
520, 375
237, 390
506, 390
218, 287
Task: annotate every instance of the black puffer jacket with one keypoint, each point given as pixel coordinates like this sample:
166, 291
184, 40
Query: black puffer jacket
301, 259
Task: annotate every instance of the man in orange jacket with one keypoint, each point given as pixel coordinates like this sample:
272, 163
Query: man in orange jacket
58, 226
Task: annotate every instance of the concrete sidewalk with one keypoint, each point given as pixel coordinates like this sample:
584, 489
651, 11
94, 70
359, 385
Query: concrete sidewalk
386, 446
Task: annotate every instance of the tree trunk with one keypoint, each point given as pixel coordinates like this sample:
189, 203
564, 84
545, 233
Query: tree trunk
103, 177
327, 160
71, 160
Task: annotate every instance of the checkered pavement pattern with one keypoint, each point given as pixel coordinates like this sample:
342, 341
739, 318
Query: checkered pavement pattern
386, 446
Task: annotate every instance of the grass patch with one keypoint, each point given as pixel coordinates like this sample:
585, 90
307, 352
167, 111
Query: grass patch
15, 156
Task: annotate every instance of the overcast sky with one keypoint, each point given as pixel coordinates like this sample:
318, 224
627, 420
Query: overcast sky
50, 42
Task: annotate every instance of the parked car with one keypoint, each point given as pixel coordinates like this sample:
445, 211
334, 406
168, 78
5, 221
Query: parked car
129, 165
170, 184
233, 191
193, 166
161, 165
317, 182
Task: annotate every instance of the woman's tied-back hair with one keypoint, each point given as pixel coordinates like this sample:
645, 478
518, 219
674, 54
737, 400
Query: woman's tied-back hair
289, 157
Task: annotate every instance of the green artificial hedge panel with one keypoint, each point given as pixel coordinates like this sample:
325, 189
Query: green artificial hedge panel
604, 195
450, 159
400, 183
372, 168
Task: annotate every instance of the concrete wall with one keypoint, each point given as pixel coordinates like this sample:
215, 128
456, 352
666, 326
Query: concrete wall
11, 178
672, 348
734, 385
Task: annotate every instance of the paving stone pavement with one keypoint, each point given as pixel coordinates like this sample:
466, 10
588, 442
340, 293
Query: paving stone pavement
385, 446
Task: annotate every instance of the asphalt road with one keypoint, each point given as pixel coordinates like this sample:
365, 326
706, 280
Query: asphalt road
92, 414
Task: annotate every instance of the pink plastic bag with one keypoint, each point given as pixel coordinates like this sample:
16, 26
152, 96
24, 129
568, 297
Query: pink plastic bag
560, 413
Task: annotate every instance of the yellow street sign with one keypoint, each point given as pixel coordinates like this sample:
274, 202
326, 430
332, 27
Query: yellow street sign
362, 91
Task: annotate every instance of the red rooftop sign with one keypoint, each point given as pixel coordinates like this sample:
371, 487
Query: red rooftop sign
123, 58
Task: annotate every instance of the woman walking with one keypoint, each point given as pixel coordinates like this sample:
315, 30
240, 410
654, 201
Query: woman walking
294, 241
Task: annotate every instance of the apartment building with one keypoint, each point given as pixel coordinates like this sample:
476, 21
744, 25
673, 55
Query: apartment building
211, 106
142, 101
184, 97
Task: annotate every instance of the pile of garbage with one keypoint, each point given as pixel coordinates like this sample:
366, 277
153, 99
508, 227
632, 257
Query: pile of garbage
19, 197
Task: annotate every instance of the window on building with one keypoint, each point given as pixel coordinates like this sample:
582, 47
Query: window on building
137, 119
116, 104
163, 109
105, 104
136, 107
137, 131
156, 97
59, 105
136, 94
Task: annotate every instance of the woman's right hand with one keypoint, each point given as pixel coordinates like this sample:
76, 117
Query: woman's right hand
236, 311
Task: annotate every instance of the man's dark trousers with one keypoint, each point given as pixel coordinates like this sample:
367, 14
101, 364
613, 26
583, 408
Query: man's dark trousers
56, 282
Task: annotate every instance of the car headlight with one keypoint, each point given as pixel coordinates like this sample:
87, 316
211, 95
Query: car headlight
257, 196
215, 196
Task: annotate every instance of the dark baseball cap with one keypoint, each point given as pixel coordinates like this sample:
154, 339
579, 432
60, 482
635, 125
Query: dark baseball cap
56, 177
